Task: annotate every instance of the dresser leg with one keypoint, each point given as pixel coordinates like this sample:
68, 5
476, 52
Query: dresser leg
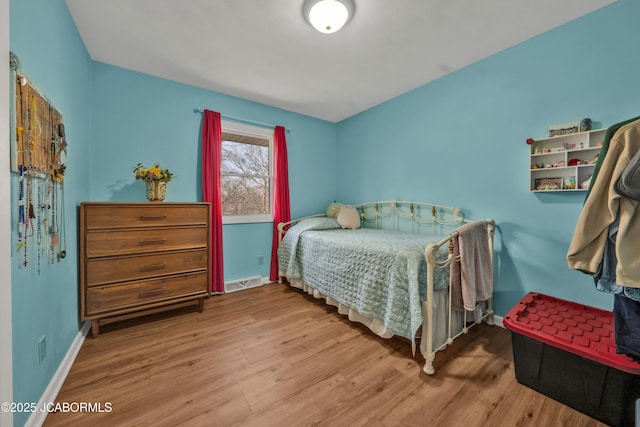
95, 328
201, 305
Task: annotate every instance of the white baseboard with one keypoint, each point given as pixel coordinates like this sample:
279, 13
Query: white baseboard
51, 392
498, 320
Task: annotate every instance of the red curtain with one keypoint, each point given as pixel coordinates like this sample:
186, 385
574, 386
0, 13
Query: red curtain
281, 207
211, 161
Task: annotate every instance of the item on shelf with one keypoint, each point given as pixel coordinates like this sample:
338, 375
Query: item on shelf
585, 184
548, 184
575, 162
564, 129
530, 141
585, 125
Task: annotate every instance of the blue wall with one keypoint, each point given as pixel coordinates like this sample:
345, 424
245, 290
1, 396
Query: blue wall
140, 118
461, 141
55, 60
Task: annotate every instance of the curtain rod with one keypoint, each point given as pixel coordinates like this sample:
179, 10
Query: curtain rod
241, 120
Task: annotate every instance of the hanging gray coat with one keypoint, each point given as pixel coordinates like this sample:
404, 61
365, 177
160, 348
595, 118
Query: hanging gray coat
628, 185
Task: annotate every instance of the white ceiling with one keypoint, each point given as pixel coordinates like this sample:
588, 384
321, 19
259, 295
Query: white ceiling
264, 50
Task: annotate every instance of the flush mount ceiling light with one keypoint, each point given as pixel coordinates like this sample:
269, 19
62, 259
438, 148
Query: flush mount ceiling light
328, 16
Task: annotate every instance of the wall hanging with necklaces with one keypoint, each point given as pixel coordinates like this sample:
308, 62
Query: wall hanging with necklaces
39, 149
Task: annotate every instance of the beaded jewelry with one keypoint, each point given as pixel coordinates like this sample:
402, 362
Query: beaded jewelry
40, 143
39, 226
21, 204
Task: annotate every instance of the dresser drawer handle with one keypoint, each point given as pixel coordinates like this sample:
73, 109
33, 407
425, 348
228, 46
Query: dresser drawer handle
152, 241
152, 292
152, 217
152, 267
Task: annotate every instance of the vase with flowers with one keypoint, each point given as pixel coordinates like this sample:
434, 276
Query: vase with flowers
155, 179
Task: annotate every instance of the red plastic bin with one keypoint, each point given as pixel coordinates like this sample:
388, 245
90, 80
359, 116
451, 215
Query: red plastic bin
567, 351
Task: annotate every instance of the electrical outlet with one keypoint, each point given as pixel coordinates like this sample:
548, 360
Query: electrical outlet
42, 348
260, 260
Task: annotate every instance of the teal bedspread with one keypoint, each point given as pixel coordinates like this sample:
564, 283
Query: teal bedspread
380, 273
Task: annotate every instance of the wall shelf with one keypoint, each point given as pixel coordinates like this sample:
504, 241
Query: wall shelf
564, 163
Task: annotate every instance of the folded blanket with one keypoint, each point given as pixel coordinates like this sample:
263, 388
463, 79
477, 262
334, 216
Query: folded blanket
472, 275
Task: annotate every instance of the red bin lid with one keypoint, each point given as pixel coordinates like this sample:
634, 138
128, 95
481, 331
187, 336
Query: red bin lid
576, 328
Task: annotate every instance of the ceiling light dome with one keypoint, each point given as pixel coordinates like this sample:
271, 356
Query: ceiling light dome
328, 16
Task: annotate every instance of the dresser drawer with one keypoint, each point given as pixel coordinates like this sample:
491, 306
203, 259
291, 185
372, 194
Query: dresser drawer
102, 299
136, 242
101, 271
144, 215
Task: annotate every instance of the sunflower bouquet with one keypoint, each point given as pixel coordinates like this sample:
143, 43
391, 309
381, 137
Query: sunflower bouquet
154, 173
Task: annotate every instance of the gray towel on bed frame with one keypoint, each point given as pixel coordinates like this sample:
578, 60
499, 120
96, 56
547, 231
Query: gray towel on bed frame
472, 276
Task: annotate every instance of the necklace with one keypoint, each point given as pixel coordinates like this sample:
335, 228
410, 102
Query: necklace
21, 204
39, 226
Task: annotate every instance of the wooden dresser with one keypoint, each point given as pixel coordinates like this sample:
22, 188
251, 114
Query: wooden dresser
140, 258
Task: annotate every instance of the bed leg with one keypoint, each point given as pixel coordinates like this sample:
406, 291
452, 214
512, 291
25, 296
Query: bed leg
427, 310
490, 320
428, 367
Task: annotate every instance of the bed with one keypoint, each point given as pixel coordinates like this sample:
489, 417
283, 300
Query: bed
416, 270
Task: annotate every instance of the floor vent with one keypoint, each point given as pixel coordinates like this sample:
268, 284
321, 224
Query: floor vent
240, 284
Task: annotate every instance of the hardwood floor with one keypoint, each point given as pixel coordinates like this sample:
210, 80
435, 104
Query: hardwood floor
273, 356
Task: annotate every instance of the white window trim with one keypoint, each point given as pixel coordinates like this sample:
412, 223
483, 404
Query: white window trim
257, 132
246, 219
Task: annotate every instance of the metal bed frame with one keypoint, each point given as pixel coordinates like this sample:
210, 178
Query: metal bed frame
419, 217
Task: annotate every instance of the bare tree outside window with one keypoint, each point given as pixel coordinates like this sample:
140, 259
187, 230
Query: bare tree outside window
245, 178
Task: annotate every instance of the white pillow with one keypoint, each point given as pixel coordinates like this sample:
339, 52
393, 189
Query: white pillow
348, 217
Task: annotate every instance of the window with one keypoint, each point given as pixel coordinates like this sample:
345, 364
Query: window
246, 173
